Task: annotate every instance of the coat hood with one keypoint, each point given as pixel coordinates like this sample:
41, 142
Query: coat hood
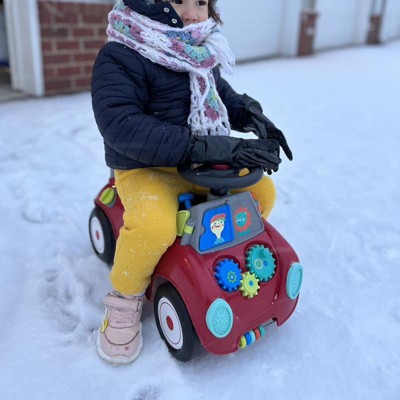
162, 12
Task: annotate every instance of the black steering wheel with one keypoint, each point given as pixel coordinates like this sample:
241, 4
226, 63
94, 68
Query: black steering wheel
220, 178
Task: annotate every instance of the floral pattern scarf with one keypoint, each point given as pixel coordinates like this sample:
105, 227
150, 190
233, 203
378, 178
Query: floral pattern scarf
195, 49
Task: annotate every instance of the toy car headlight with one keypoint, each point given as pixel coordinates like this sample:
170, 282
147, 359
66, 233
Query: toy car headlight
294, 280
219, 318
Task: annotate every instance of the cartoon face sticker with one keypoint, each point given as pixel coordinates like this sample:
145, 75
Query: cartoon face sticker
242, 219
217, 225
217, 228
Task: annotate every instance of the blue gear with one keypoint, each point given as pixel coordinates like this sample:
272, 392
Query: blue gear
228, 275
261, 263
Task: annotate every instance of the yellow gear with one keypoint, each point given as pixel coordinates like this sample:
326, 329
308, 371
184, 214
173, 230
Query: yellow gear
249, 285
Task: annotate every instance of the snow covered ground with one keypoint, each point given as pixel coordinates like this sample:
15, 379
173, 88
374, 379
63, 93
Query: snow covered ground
338, 206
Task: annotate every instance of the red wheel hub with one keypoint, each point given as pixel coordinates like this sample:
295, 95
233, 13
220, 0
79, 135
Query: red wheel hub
170, 323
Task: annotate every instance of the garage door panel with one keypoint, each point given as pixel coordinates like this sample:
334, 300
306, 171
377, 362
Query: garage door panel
253, 32
391, 21
336, 23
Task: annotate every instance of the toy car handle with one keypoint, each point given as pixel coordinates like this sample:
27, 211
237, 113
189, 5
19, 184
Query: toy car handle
219, 178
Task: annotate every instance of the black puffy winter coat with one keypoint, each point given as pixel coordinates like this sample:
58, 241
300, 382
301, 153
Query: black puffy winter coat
141, 108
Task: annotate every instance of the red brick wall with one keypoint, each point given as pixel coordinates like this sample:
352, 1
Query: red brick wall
72, 34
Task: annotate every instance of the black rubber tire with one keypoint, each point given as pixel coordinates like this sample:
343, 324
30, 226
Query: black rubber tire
106, 254
185, 351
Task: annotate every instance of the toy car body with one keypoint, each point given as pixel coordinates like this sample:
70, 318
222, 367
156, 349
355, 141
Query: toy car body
227, 275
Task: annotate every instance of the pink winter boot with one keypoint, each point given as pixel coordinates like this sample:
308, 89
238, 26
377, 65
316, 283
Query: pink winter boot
120, 338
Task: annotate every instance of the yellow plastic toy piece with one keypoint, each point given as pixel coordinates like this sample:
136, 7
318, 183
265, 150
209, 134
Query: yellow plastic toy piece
181, 219
242, 342
249, 285
188, 229
108, 196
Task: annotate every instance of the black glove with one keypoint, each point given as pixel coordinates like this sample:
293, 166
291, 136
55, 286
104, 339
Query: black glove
239, 153
255, 121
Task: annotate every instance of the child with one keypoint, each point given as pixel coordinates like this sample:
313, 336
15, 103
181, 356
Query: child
159, 100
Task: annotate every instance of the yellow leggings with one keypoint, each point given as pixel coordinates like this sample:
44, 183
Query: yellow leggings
150, 199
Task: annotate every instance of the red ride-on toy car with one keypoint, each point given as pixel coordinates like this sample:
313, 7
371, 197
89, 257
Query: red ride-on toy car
228, 274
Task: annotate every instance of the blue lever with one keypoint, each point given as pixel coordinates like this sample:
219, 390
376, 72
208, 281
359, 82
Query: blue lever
186, 198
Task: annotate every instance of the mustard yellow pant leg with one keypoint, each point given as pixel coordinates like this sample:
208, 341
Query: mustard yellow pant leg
150, 199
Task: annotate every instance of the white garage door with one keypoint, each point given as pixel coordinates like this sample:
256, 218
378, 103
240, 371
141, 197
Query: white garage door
253, 28
336, 23
391, 21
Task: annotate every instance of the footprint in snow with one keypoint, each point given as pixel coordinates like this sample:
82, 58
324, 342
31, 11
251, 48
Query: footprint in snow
147, 393
59, 299
36, 211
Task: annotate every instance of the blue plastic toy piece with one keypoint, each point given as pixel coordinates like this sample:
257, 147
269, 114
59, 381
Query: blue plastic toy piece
228, 275
186, 199
219, 318
294, 280
261, 263
248, 338
253, 336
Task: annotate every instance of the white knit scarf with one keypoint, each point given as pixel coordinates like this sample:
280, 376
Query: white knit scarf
195, 49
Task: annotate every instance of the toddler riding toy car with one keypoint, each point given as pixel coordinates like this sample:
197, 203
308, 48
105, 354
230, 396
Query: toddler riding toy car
228, 274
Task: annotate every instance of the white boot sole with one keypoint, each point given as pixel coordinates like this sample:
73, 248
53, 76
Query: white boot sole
119, 360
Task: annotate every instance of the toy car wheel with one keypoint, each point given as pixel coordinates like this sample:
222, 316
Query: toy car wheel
173, 322
101, 235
